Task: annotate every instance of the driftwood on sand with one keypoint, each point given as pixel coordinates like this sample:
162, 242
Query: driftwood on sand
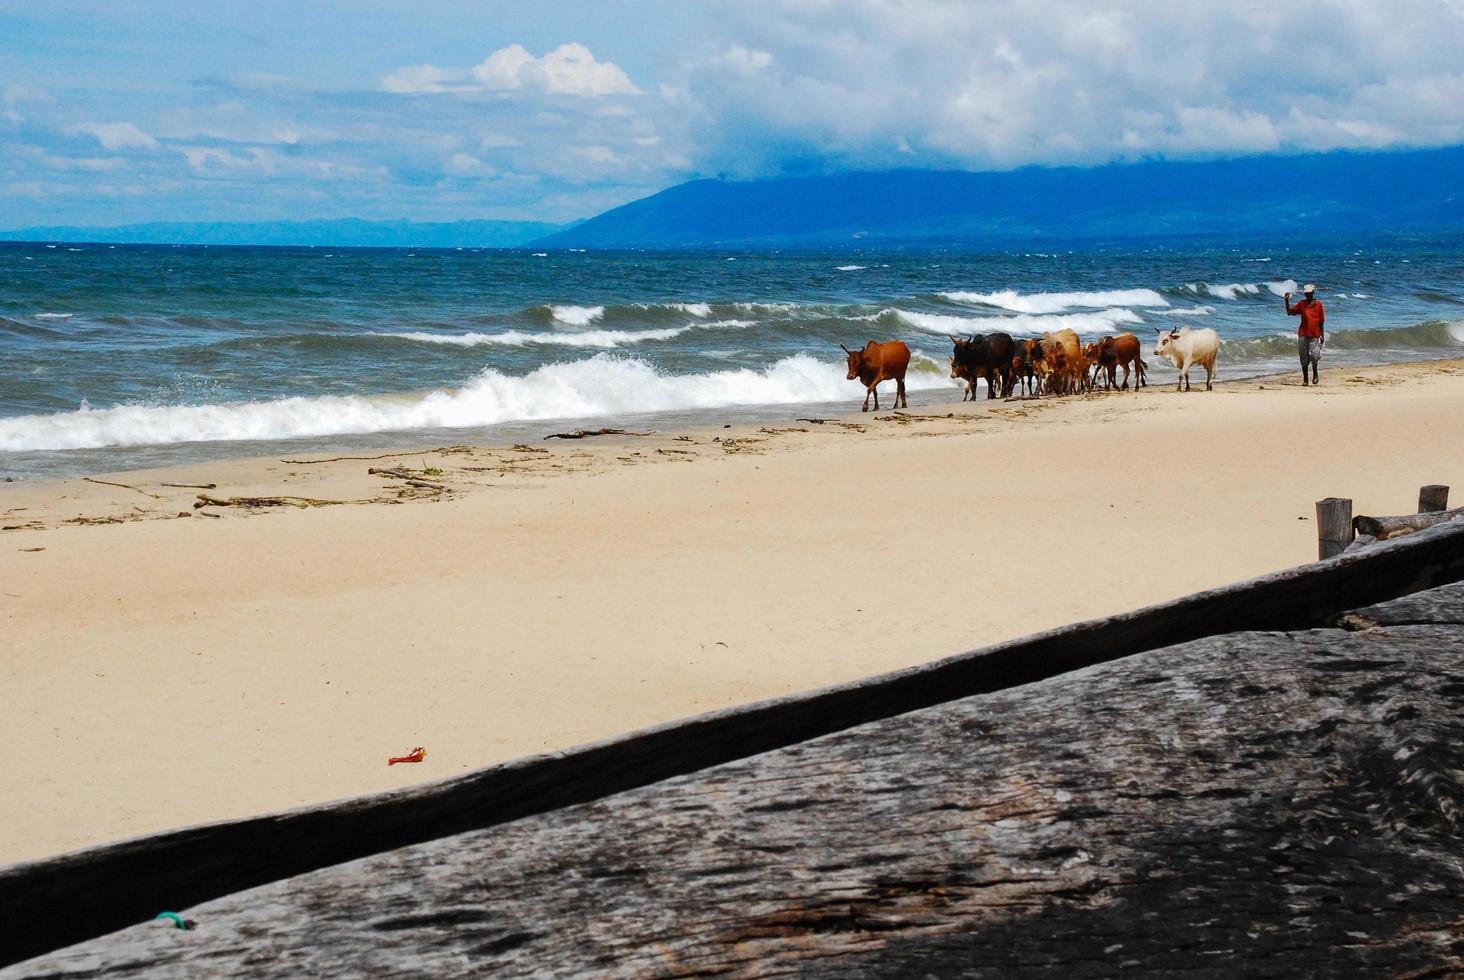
1230, 798
124, 486
584, 433
204, 500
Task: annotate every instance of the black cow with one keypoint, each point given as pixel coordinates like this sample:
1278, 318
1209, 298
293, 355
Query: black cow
987, 356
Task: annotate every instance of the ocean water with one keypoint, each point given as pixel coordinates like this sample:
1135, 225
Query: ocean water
118, 357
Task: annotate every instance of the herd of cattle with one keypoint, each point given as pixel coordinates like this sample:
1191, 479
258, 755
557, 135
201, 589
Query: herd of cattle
1056, 363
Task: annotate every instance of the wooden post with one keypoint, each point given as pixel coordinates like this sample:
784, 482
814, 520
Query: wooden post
1433, 498
1334, 526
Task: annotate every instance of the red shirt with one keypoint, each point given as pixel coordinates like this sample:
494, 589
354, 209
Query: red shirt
1312, 317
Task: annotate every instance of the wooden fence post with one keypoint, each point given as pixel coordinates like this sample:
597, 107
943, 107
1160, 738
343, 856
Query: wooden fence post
1334, 526
1433, 498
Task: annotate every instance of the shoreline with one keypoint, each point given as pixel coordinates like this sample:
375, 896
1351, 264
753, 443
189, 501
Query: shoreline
54, 466
168, 671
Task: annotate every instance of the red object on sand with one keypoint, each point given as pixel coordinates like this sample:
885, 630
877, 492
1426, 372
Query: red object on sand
416, 755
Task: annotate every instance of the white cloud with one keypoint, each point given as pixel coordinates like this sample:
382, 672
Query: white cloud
570, 69
117, 136
467, 165
268, 162
743, 60
872, 83
598, 154
416, 79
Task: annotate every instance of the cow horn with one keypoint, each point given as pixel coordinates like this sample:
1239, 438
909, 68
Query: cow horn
845, 349
954, 340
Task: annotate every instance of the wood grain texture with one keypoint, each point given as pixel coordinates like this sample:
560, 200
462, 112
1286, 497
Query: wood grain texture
1266, 803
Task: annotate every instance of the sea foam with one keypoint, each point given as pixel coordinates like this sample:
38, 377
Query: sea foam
602, 339
1022, 324
1008, 299
598, 386
577, 316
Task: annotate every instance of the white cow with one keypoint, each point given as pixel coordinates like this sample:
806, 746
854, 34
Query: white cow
1185, 347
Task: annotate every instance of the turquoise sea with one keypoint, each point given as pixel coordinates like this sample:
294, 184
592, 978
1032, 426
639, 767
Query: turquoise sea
117, 357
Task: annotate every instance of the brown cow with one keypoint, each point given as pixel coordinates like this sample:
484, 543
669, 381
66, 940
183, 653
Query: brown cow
880, 362
1035, 366
959, 370
1109, 353
1064, 361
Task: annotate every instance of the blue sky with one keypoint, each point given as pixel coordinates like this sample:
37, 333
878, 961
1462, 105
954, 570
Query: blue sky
120, 112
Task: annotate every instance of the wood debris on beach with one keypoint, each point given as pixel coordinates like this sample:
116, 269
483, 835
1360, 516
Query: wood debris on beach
205, 500
586, 433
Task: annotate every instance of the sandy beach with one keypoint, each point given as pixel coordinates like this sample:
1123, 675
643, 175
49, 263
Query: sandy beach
165, 665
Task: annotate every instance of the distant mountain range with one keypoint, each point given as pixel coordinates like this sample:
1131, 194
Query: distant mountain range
1297, 197
1302, 196
346, 233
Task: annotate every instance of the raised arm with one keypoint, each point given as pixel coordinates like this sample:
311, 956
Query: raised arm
1287, 300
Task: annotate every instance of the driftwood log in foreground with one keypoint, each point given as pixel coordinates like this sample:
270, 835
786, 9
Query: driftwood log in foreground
116, 885
1260, 804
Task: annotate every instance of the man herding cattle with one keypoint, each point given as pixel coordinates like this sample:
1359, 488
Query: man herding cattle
1311, 334
880, 362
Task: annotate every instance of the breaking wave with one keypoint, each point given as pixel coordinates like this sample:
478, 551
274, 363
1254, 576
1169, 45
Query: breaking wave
603, 339
1235, 290
1021, 324
1184, 311
1434, 336
577, 316
1008, 299
598, 386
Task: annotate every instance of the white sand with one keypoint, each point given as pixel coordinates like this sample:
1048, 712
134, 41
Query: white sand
164, 672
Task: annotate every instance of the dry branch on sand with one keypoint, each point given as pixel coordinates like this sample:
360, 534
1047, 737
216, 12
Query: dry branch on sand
124, 486
440, 450
204, 500
582, 433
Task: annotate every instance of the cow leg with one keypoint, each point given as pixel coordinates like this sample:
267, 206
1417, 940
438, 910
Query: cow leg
1209, 373
1125, 376
900, 395
867, 392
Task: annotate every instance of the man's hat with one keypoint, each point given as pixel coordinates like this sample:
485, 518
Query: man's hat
1309, 288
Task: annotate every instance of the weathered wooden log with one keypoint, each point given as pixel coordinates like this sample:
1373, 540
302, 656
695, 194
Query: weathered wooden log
1278, 804
1384, 528
1434, 497
1334, 526
109, 887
